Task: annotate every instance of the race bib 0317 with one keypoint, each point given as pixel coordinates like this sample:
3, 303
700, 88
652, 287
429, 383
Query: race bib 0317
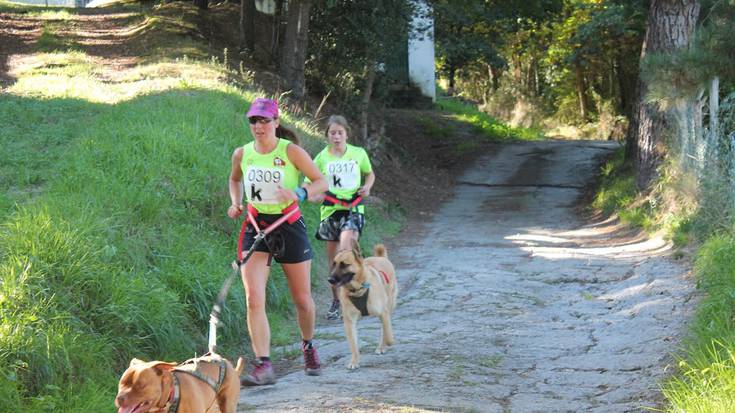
343, 175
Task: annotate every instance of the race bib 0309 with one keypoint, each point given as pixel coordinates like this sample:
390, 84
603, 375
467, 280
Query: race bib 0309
261, 184
343, 175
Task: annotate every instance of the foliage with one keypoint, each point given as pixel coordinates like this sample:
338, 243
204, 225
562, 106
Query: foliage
687, 72
367, 34
464, 34
559, 51
616, 185
706, 374
601, 38
483, 123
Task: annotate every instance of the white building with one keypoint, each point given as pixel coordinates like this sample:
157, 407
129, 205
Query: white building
421, 65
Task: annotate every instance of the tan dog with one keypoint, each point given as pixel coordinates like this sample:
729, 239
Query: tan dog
368, 287
161, 387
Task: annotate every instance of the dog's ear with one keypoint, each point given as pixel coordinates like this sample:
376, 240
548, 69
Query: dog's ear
356, 249
135, 361
162, 366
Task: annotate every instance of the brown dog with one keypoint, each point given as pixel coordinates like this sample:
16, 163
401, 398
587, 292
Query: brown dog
191, 387
368, 286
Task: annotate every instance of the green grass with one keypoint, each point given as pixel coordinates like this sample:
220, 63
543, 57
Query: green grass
616, 188
51, 41
113, 235
705, 380
483, 123
617, 193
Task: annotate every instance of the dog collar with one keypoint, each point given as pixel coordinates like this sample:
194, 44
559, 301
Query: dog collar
174, 397
174, 406
364, 286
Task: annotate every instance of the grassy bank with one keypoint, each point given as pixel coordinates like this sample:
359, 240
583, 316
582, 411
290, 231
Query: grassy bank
706, 372
483, 123
113, 235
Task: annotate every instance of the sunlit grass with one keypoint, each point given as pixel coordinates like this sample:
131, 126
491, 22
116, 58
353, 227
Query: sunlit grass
484, 123
51, 41
616, 187
705, 380
51, 14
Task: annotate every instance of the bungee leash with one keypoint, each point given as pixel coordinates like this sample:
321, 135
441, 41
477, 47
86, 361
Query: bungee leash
290, 214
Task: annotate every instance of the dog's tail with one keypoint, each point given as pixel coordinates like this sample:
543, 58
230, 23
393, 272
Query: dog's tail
380, 251
240, 366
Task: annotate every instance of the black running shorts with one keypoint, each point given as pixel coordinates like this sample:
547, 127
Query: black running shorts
288, 244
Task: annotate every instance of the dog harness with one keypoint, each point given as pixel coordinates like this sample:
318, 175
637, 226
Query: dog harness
360, 301
191, 367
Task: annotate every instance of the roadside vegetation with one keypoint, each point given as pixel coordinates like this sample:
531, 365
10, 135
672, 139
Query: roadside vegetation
692, 203
483, 123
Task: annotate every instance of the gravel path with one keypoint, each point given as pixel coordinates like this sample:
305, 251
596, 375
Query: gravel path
510, 303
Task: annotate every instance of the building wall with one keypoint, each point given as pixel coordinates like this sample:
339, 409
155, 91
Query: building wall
421, 68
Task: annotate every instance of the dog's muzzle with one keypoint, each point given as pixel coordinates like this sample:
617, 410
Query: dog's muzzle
340, 279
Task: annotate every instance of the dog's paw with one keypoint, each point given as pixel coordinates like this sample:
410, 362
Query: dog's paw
380, 350
353, 365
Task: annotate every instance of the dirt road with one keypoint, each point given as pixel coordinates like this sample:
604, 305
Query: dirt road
510, 302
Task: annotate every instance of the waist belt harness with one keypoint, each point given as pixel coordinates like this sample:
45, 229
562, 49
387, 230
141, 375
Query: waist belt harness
252, 220
331, 199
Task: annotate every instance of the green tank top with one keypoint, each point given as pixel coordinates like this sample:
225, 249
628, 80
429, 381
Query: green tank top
263, 174
344, 175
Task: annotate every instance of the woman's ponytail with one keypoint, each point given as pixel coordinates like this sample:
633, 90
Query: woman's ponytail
286, 133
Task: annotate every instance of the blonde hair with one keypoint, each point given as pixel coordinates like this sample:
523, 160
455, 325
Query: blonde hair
337, 120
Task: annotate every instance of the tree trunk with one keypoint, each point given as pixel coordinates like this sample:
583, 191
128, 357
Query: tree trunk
670, 26
495, 76
624, 88
276, 34
714, 109
247, 26
581, 91
365, 107
452, 75
202, 4
295, 42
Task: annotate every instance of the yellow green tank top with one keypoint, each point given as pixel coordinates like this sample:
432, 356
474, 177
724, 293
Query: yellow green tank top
263, 174
344, 175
